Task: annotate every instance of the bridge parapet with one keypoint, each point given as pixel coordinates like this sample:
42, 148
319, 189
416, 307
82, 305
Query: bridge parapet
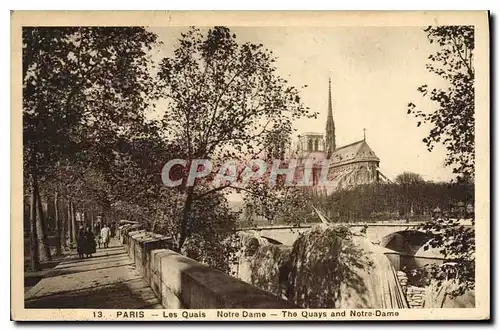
309, 225
393, 223
375, 231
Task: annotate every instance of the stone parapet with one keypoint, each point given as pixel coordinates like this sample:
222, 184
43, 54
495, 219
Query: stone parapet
180, 282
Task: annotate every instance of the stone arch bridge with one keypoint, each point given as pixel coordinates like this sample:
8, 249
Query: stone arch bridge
287, 234
402, 239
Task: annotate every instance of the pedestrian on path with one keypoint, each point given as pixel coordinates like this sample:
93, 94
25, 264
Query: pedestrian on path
99, 239
81, 242
113, 229
105, 235
91, 244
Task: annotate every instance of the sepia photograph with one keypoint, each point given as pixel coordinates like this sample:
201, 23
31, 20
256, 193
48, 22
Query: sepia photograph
332, 168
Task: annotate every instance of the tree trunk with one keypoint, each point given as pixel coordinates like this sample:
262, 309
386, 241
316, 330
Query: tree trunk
34, 252
58, 223
73, 223
69, 227
43, 244
185, 218
153, 226
64, 225
82, 218
92, 219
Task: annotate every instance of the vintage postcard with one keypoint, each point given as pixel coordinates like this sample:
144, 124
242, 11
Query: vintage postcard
250, 166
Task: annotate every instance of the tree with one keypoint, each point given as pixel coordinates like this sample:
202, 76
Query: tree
375, 202
453, 120
408, 178
213, 239
453, 126
279, 204
83, 87
138, 164
225, 101
409, 183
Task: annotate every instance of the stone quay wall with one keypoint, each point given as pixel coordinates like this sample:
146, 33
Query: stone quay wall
415, 296
182, 283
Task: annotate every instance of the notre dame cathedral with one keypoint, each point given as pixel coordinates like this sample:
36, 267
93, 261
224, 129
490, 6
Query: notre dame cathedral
349, 165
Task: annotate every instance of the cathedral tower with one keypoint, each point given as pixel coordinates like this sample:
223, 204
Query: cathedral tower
330, 125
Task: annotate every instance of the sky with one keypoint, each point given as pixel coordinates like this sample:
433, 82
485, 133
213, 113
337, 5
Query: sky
375, 72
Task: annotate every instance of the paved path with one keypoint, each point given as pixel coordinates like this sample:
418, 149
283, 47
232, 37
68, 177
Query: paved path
106, 280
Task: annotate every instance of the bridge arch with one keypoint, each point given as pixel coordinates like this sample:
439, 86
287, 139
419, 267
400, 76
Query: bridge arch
408, 248
251, 241
406, 242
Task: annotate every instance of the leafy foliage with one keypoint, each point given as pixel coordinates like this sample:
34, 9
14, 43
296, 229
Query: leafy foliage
224, 101
280, 204
87, 93
453, 126
453, 120
213, 238
84, 88
457, 244
408, 178
371, 202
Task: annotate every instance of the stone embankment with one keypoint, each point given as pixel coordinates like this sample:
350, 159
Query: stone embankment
180, 282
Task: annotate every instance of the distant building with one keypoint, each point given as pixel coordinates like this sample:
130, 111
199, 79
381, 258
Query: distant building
349, 165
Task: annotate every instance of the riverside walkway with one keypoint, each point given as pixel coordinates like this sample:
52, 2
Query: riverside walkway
106, 280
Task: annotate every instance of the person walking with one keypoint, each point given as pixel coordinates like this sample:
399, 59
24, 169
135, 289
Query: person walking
91, 244
81, 243
113, 229
99, 239
105, 235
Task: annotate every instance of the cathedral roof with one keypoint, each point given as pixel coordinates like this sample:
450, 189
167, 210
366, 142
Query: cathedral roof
356, 151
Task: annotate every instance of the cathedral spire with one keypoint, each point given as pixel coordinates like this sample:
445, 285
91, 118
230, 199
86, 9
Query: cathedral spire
330, 125
330, 114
